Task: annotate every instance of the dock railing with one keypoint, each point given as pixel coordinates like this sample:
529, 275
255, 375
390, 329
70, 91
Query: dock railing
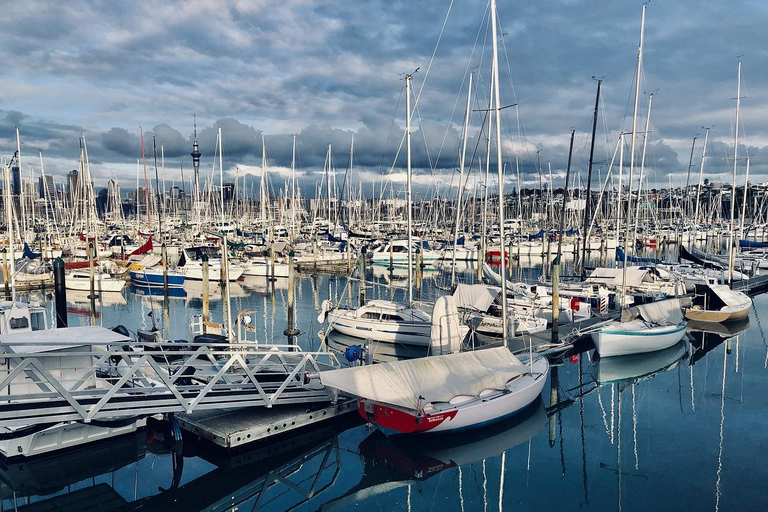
99, 383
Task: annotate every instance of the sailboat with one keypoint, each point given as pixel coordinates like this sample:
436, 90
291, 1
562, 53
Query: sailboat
647, 327
718, 303
452, 392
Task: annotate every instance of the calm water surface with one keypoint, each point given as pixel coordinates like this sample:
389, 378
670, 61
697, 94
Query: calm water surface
684, 429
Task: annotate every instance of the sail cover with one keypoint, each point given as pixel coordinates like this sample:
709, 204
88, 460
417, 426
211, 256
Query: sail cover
435, 379
613, 276
731, 298
475, 296
663, 312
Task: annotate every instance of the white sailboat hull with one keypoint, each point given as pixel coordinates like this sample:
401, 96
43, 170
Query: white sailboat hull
635, 337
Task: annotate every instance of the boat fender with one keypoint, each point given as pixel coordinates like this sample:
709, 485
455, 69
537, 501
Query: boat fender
354, 353
575, 305
121, 329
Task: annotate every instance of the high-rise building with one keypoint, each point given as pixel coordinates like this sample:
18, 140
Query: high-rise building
15, 180
73, 182
46, 188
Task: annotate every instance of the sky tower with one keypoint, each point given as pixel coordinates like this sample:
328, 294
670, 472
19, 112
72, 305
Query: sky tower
196, 160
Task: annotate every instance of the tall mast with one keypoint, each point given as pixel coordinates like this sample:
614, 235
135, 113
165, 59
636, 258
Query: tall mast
157, 188
263, 189
328, 179
588, 202
632, 155
221, 179
500, 168
408, 199
19, 192
688, 178
293, 189
701, 174
743, 203
731, 247
642, 166
462, 161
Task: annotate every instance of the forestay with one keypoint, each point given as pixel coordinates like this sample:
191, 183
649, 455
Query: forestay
433, 379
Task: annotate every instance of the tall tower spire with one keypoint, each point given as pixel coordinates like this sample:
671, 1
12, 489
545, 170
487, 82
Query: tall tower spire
196, 160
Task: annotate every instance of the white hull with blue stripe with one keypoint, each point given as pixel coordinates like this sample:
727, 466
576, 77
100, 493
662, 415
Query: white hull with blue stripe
636, 337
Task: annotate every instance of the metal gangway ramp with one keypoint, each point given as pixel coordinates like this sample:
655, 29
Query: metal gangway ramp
93, 375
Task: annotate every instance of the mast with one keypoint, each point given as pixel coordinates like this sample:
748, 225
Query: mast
731, 245
688, 179
264, 193
588, 202
293, 190
221, 182
500, 168
462, 161
157, 188
701, 174
743, 203
328, 178
9, 224
642, 166
408, 198
632, 155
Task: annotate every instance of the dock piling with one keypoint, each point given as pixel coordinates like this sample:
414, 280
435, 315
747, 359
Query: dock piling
164, 254
206, 296
291, 332
60, 292
361, 263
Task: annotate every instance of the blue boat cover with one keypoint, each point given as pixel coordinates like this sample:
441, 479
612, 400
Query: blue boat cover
634, 259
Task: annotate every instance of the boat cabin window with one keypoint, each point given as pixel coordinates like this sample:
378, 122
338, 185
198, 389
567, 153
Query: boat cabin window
18, 323
391, 318
370, 315
38, 320
399, 248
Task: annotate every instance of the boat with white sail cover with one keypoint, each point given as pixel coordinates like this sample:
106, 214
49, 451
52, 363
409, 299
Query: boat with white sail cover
481, 307
648, 328
718, 303
445, 393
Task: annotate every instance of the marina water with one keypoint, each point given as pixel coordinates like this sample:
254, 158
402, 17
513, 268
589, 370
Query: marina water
680, 430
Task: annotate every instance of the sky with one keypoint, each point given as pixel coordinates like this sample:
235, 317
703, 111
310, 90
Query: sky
328, 70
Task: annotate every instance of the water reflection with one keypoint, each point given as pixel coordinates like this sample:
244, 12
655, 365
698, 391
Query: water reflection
399, 460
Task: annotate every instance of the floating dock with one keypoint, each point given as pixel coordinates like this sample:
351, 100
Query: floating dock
233, 428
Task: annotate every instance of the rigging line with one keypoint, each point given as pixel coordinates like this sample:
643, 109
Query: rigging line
434, 53
463, 81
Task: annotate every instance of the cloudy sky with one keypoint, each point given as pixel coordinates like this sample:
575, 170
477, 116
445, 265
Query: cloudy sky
324, 70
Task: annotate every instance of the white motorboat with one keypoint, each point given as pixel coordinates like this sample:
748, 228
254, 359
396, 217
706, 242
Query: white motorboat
191, 264
396, 251
102, 282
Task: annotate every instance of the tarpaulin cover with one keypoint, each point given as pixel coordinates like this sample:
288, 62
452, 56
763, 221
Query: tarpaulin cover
434, 379
475, 296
